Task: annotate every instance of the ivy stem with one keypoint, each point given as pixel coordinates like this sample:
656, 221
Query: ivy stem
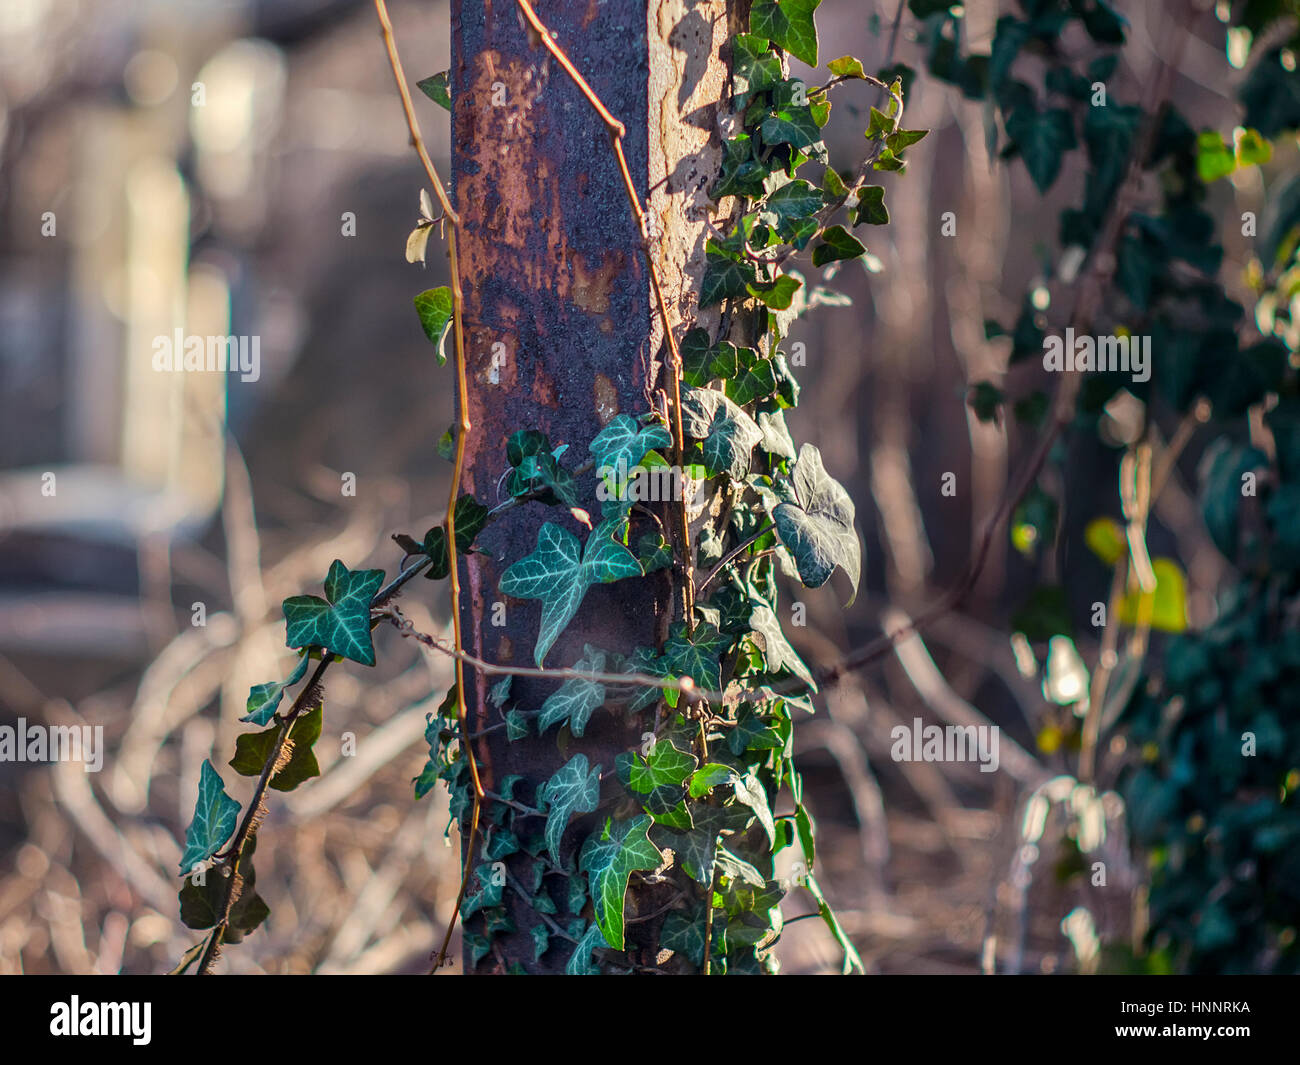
462, 404
616, 134
708, 923
253, 815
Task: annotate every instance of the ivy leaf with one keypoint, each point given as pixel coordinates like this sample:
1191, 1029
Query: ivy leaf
580, 963
738, 869
789, 204
1042, 138
263, 699
837, 243
574, 789
471, 517
664, 767
516, 726
789, 25
778, 294
776, 648
253, 748
623, 443
846, 67
500, 691
755, 380
751, 732
340, 625
870, 208
792, 125
488, 895
697, 655
215, 814
202, 905
575, 699
536, 468
434, 306
818, 529
754, 67
608, 861
708, 777
1214, 159
725, 276
437, 89
749, 790
560, 571
541, 940
683, 934
727, 433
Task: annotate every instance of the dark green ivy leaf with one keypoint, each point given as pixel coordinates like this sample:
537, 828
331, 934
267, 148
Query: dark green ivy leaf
437, 89
434, 306
789, 25
252, 749
471, 517
572, 790
340, 623
818, 529
215, 815
263, 699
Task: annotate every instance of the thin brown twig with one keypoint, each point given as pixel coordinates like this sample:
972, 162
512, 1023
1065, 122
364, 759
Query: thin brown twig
462, 397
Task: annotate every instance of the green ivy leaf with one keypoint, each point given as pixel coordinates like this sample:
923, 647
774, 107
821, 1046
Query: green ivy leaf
560, 571
488, 895
684, 934
215, 815
576, 699
776, 648
1042, 137
792, 125
203, 905
754, 67
516, 726
1214, 158
664, 767
580, 962
437, 89
708, 777
789, 204
471, 517
263, 699
541, 940
340, 625
434, 306
696, 655
755, 379
870, 208
622, 848
751, 732
749, 791
623, 443
818, 529
725, 276
846, 67
536, 468
572, 790
778, 294
837, 243
252, 749
727, 433
789, 25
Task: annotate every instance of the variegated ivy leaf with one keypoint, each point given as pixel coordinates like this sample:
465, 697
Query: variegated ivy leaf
215, 815
623, 443
726, 433
560, 571
696, 655
684, 934
263, 699
621, 849
575, 699
580, 962
818, 528
340, 623
574, 789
